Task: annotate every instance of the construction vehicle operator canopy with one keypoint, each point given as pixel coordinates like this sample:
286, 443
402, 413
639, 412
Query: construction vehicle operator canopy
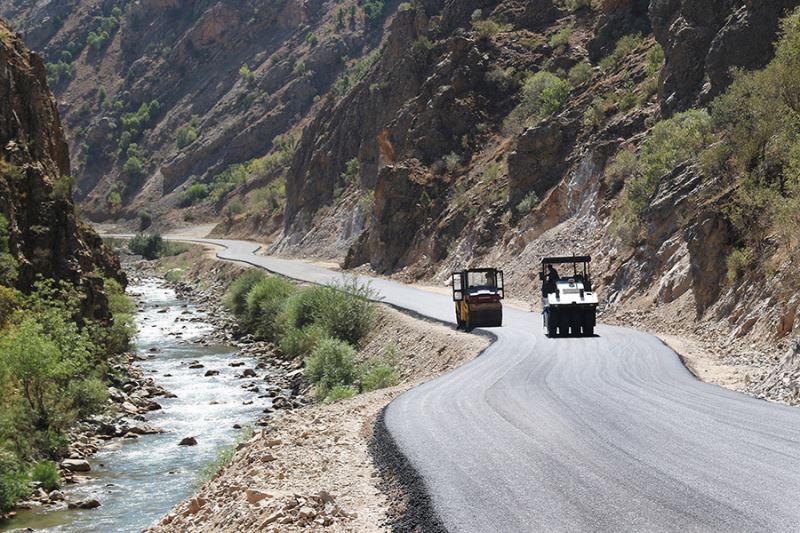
566, 260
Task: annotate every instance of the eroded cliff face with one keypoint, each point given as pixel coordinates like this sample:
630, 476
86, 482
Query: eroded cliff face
705, 41
46, 237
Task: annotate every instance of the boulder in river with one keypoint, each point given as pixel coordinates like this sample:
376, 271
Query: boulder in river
188, 441
76, 465
85, 504
210, 373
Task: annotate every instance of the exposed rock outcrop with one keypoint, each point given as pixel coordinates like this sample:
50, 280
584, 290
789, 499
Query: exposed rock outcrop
46, 236
704, 41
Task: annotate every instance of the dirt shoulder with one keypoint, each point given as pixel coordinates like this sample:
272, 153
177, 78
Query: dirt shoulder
313, 467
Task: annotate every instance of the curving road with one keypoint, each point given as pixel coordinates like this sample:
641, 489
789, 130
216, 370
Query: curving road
610, 433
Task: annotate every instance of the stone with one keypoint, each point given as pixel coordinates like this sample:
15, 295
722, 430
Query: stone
188, 441
195, 504
84, 504
210, 373
249, 373
76, 465
256, 495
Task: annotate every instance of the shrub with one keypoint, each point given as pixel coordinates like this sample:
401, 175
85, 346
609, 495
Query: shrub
305, 307
380, 376
625, 46
186, 136
486, 29
339, 393
580, 73
299, 342
373, 11
8, 263
561, 38
133, 167
9, 302
13, 482
332, 363
236, 297
528, 203
46, 473
122, 329
196, 192
670, 143
737, 262
246, 74
148, 246
624, 167
351, 172
265, 301
542, 94
345, 310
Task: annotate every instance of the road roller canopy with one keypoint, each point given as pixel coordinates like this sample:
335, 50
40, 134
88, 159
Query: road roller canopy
580, 267
477, 281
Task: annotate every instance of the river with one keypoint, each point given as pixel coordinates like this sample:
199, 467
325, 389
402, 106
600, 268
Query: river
138, 481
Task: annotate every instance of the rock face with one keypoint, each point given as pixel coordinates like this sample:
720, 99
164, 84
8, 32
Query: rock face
46, 236
703, 41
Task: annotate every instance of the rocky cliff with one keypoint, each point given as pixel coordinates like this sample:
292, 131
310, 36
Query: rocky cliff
45, 235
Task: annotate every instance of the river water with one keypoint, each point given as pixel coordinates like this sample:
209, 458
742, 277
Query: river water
139, 481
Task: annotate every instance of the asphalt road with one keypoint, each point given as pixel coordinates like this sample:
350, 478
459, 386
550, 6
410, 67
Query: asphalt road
610, 433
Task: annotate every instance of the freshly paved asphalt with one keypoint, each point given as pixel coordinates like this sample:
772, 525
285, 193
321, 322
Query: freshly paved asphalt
609, 433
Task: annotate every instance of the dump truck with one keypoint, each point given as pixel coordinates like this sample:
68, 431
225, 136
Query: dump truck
478, 295
568, 302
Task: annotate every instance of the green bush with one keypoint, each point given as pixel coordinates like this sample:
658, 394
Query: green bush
625, 46
528, 203
88, 396
8, 264
120, 332
148, 246
145, 219
332, 363
186, 136
265, 301
299, 342
737, 262
671, 142
623, 167
380, 376
345, 310
561, 38
236, 297
13, 482
196, 192
46, 473
580, 73
303, 308
340, 392
542, 94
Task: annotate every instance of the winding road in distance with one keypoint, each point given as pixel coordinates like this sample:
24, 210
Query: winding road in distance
610, 433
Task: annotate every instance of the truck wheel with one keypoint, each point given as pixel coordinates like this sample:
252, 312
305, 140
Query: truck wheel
588, 331
459, 322
552, 324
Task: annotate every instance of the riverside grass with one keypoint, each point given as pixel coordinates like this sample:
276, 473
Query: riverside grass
324, 325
